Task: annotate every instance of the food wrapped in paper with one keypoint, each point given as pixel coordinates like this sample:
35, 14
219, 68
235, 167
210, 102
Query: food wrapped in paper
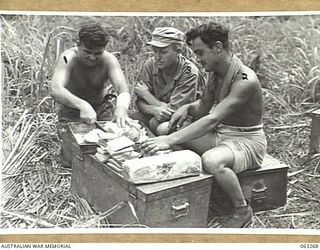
117, 144
134, 131
95, 135
162, 167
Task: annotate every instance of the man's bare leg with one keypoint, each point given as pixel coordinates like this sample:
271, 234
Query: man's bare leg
217, 161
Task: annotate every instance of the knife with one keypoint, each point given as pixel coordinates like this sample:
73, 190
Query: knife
99, 127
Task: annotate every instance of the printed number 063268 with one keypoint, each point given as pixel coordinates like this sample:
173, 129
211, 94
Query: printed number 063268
309, 246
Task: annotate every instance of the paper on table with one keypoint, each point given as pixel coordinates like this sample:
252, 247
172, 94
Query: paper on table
119, 143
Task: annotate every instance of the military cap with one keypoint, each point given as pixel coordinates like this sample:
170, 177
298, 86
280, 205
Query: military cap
164, 36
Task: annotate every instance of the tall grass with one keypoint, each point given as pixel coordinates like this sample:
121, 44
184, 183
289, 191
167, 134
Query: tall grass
288, 49
288, 68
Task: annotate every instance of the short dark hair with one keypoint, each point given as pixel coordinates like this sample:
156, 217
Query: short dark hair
209, 33
92, 35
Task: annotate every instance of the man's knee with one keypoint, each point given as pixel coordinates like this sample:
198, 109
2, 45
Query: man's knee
212, 165
163, 128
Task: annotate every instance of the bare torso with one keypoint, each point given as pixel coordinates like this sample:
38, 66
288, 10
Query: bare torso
88, 83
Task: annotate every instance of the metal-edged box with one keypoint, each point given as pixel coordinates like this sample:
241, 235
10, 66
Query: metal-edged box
75, 134
177, 203
264, 188
185, 202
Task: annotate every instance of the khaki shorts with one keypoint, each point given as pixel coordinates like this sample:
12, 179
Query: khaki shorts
248, 147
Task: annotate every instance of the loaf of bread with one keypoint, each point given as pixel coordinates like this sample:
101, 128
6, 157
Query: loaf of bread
163, 167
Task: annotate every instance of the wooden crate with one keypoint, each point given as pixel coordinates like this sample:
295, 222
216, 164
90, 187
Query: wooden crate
265, 188
177, 203
158, 204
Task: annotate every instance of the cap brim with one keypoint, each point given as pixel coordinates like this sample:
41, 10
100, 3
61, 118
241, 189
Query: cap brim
158, 44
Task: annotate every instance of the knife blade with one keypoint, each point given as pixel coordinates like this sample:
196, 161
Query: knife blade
99, 127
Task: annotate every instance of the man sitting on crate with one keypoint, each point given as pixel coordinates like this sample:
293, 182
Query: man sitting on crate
227, 130
168, 80
79, 81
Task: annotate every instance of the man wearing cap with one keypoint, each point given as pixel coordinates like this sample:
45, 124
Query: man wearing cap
227, 131
167, 81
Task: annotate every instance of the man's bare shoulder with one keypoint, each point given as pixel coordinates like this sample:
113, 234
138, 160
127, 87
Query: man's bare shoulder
108, 58
246, 82
69, 56
246, 74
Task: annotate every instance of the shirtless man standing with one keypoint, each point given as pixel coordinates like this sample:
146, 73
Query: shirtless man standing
79, 81
227, 131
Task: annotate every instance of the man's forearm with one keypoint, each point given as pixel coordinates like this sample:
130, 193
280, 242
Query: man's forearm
66, 98
146, 108
149, 98
193, 108
121, 87
194, 130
